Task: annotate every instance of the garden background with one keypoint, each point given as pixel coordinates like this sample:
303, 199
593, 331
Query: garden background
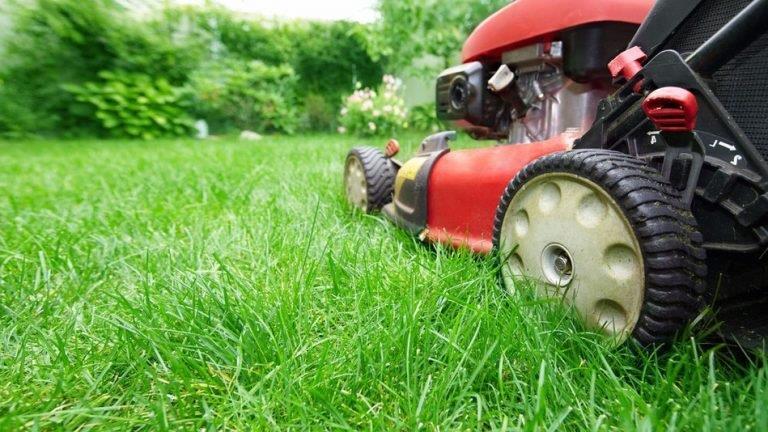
99, 68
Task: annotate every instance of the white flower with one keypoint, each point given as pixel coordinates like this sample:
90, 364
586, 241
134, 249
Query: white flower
342, 130
376, 113
372, 126
344, 111
388, 109
367, 105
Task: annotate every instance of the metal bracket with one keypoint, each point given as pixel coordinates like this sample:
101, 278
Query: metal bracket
437, 142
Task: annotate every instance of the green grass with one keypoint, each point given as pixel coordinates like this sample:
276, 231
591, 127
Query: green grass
226, 285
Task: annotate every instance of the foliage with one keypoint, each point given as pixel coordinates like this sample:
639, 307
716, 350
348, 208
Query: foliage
328, 58
246, 95
229, 36
135, 105
368, 113
186, 45
56, 43
81, 38
412, 29
319, 113
424, 118
331, 57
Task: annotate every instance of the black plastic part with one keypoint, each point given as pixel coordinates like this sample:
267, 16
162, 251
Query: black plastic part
738, 296
621, 121
687, 147
379, 176
409, 208
733, 38
463, 94
673, 256
662, 22
740, 85
588, 49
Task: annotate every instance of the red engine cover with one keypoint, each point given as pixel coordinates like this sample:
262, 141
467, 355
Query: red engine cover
465, 188
527, 21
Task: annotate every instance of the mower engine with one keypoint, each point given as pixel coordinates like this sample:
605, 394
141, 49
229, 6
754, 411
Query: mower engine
534, 92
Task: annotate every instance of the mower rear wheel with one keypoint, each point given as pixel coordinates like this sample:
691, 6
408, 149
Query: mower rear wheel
606, 233
369, 179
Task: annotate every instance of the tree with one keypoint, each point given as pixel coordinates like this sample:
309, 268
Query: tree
412, 29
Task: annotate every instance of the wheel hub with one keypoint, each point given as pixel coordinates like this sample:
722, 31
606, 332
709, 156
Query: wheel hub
355, 184
568, 234
557, 265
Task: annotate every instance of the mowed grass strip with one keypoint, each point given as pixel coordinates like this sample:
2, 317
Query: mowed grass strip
227, 285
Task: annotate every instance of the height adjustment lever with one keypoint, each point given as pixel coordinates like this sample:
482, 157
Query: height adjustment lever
674, 110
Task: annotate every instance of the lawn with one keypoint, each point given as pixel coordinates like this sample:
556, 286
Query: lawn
226, 285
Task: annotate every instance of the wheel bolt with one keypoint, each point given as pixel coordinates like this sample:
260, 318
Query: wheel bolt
563, 265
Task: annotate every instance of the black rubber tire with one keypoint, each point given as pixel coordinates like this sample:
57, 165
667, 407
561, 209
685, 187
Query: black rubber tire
379, 176
665, 228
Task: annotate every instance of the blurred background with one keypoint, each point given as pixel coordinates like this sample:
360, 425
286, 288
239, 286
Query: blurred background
147, 69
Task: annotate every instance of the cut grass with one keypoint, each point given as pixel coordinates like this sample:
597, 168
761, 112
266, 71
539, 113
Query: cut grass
226, 285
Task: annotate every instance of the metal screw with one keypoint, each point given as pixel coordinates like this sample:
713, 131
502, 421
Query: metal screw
563, 265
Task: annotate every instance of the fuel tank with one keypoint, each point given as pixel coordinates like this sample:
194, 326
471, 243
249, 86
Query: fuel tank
527, 21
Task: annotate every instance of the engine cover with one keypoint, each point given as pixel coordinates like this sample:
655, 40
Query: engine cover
526, 21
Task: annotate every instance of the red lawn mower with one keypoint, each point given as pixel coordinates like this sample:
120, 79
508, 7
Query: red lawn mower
632, 179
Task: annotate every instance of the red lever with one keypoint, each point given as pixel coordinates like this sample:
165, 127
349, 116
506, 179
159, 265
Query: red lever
628, 63
672, 109
393, 148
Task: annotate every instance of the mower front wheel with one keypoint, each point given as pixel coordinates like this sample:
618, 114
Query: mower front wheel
606, 233
369, 179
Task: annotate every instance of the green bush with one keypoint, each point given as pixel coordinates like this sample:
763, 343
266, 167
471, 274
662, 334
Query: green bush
319, 113
246, 95
371, 113
135, 105
409, 30
423, 118
15, 117
330, 58
58, 43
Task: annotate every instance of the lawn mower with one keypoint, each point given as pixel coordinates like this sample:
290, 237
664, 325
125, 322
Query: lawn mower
628, 173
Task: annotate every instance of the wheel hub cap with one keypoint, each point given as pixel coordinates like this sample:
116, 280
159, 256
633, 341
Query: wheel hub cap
569, 235
356, 184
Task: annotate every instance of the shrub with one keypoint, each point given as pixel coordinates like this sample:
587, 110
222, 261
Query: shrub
319, 113
57, 43
135, 105
246, 95
409, 30
370, 113
330, 58
423, 118
327, 57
